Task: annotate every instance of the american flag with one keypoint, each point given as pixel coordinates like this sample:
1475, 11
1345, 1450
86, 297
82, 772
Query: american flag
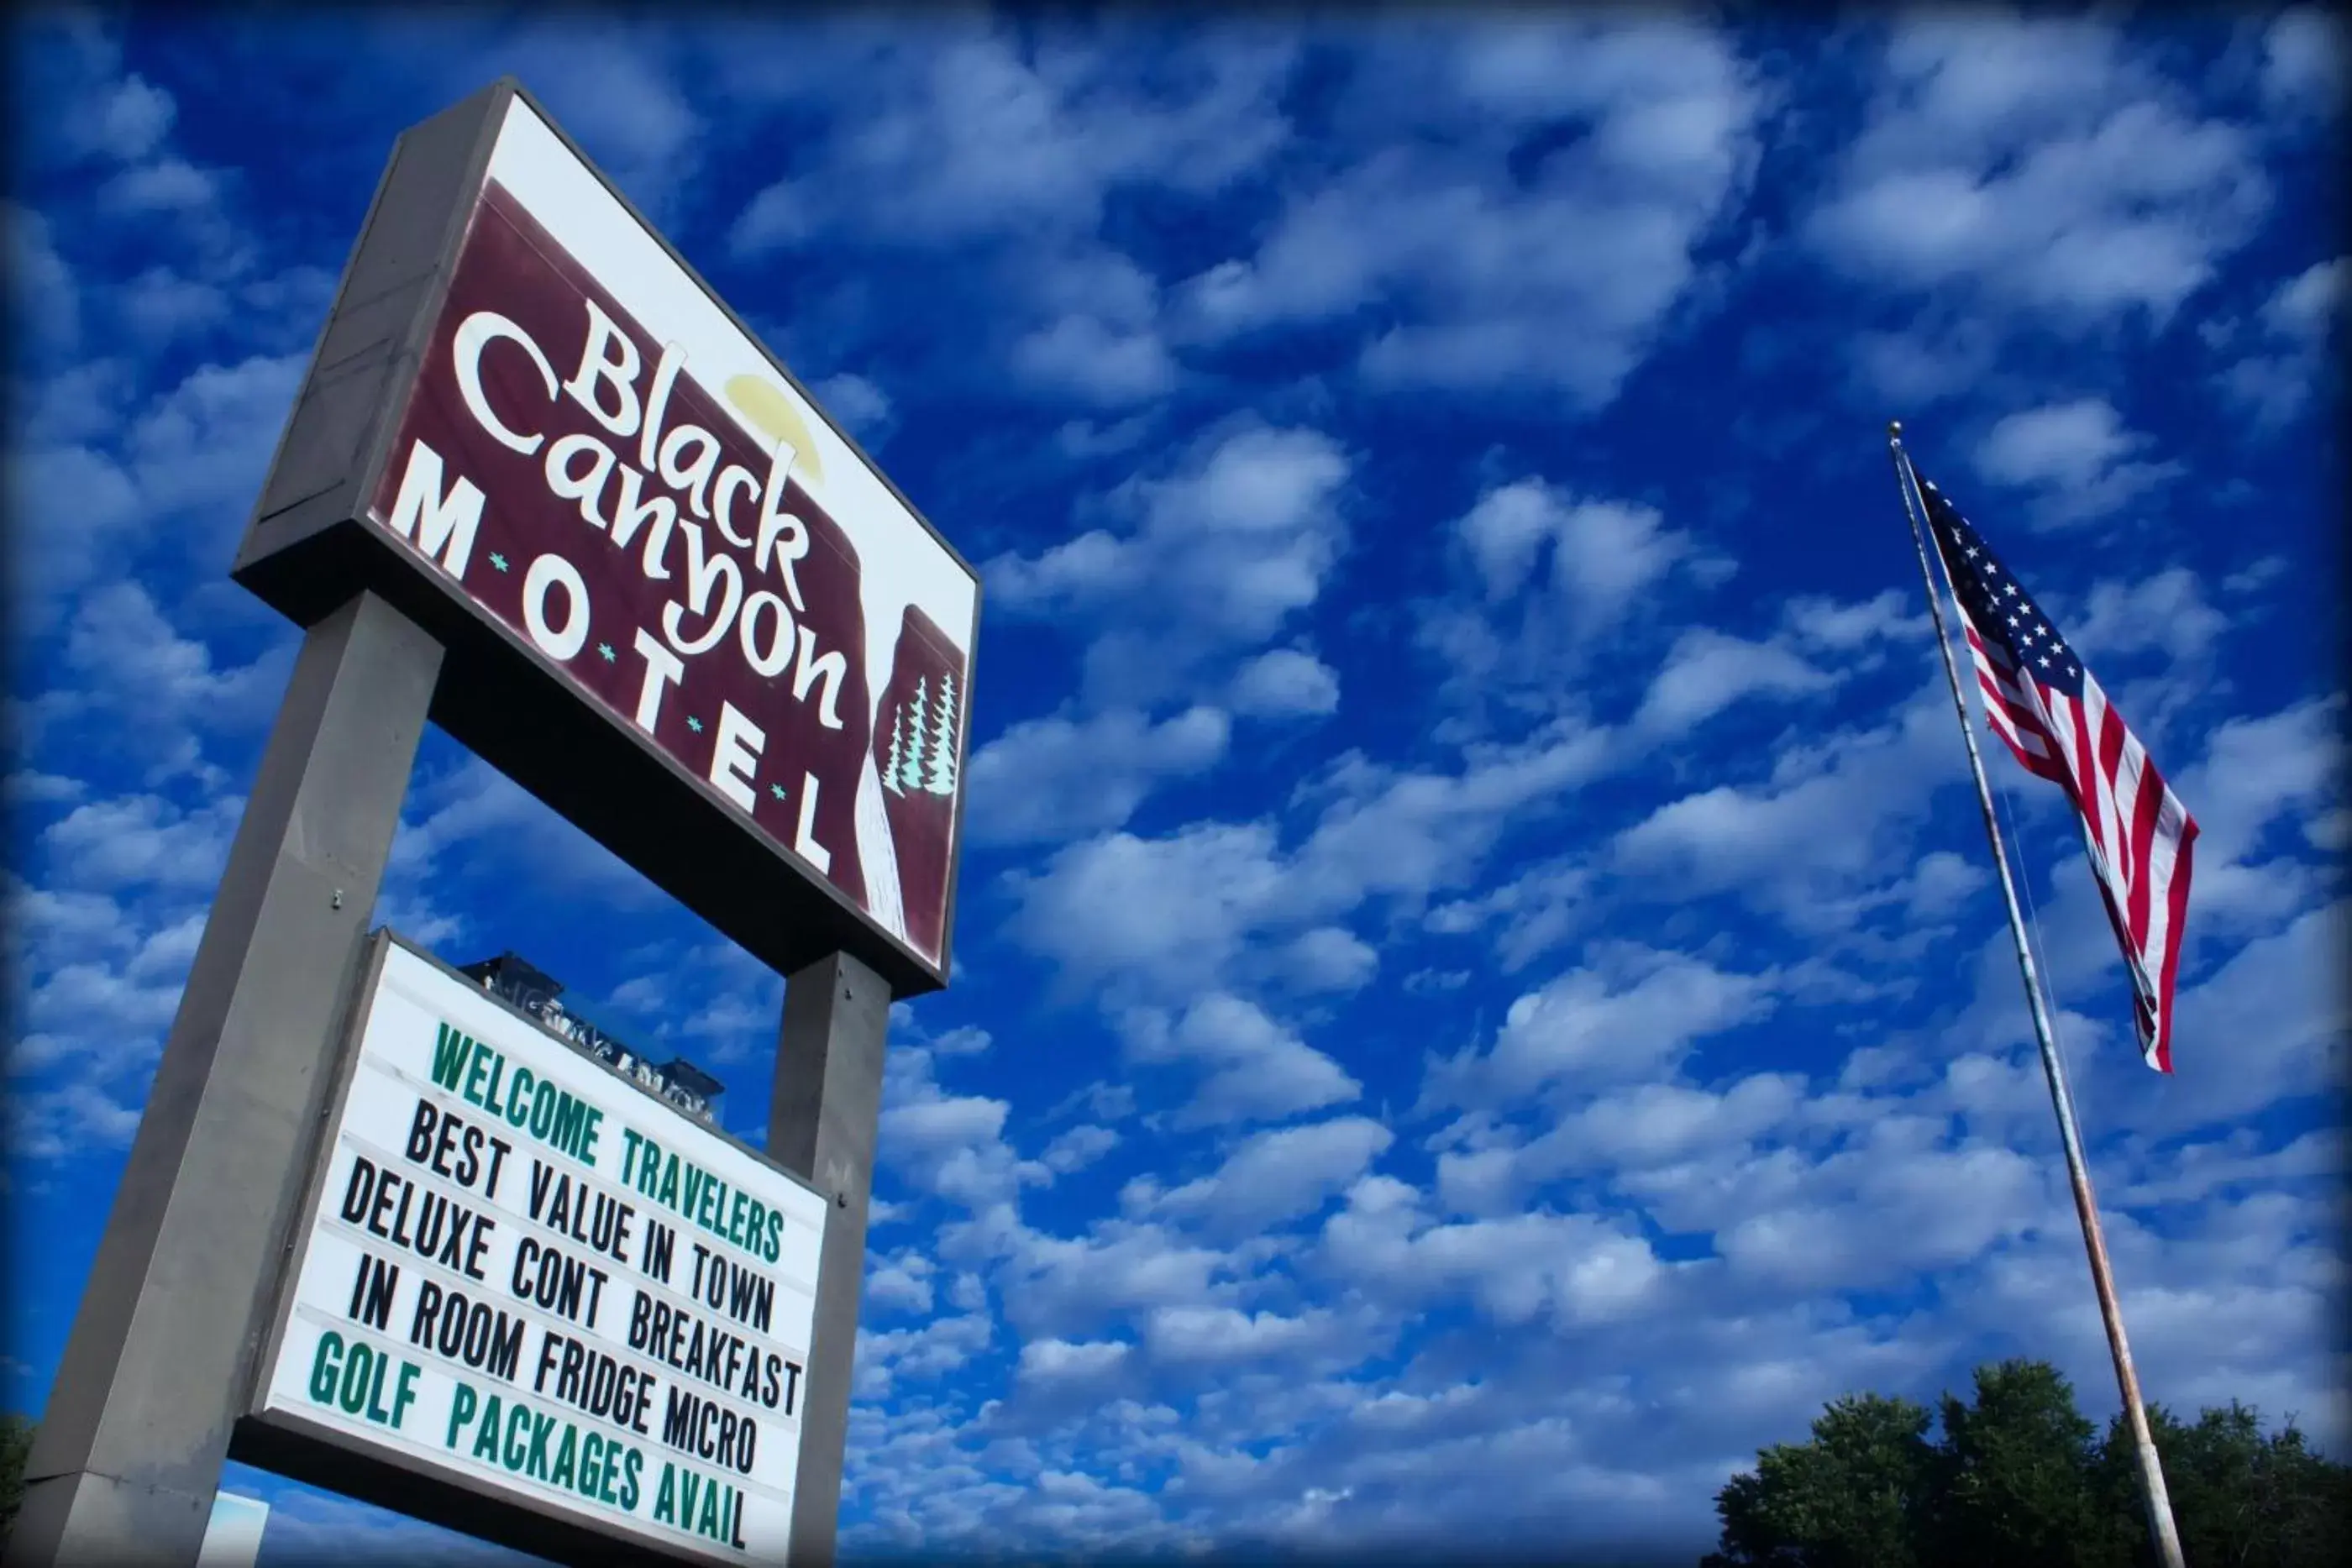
2043, 703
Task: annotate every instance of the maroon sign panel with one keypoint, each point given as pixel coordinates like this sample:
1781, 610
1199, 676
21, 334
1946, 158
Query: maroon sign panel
572, 474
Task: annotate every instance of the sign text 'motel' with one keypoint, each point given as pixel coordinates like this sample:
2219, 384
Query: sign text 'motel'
533, 429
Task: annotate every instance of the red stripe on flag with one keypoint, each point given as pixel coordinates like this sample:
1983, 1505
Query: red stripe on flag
2111, 756
2082, 783
2143, 840
2177, 896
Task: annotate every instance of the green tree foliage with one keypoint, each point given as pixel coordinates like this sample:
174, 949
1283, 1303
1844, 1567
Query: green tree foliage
2017, 1477
2238, 1498
15, 1448
2012, 1478
1846, 1499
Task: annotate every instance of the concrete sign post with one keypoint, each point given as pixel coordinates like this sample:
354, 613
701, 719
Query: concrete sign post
128, 1452
822, 1123
544, 488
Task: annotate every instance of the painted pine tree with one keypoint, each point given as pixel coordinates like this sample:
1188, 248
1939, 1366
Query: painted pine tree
898, 732
911, 772
943, 729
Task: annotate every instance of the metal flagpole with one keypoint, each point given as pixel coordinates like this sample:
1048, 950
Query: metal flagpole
2159, 1505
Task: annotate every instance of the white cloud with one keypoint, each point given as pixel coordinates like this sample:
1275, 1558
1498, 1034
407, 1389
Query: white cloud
945, 1144
142, 841
1326, 959
2306, 306
1171, 912
2270, 389
964, 133
194, 455
1940, 885
126, 121
1916, 1211
2249, 1033
1081, 356
2194, 1171
2273, 1023
1203, 1336
1009, 145
1274, 1177
1255, 1069
1058, 1287
1832, 817
2256, 775
2303, 61
45, 304
1641, 1127
861, 405
2035, 164
169, 186
934, 1129
1241, 537
99, 953
2078, 455
1507, 530
1569, 1267
1077, 1147
617, 86
1172, 916
1708, 672
1285, 681
2217, 1307
901, 1282
96, 1013
1636, 1014
1849, 630
778, 218
53, 560
207, 444
1084, 439
154, 690
33, 788
1049, 781
1061, 1360
1408, 834
892, 1357
1942, 353
1559, 575
481, 820
160, 305
2279, 381
1603, 552
1451, 253
964, 1040
2163, 612
1537, 911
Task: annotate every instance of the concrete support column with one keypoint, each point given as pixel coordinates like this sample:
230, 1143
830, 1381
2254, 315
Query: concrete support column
821, 1124
161, 1359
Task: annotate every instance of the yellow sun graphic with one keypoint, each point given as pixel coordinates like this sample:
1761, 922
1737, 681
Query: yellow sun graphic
766, 406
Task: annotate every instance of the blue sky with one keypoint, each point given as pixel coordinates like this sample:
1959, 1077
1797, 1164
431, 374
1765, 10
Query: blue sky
1480, 997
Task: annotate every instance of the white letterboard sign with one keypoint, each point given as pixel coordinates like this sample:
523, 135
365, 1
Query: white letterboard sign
524, 1274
